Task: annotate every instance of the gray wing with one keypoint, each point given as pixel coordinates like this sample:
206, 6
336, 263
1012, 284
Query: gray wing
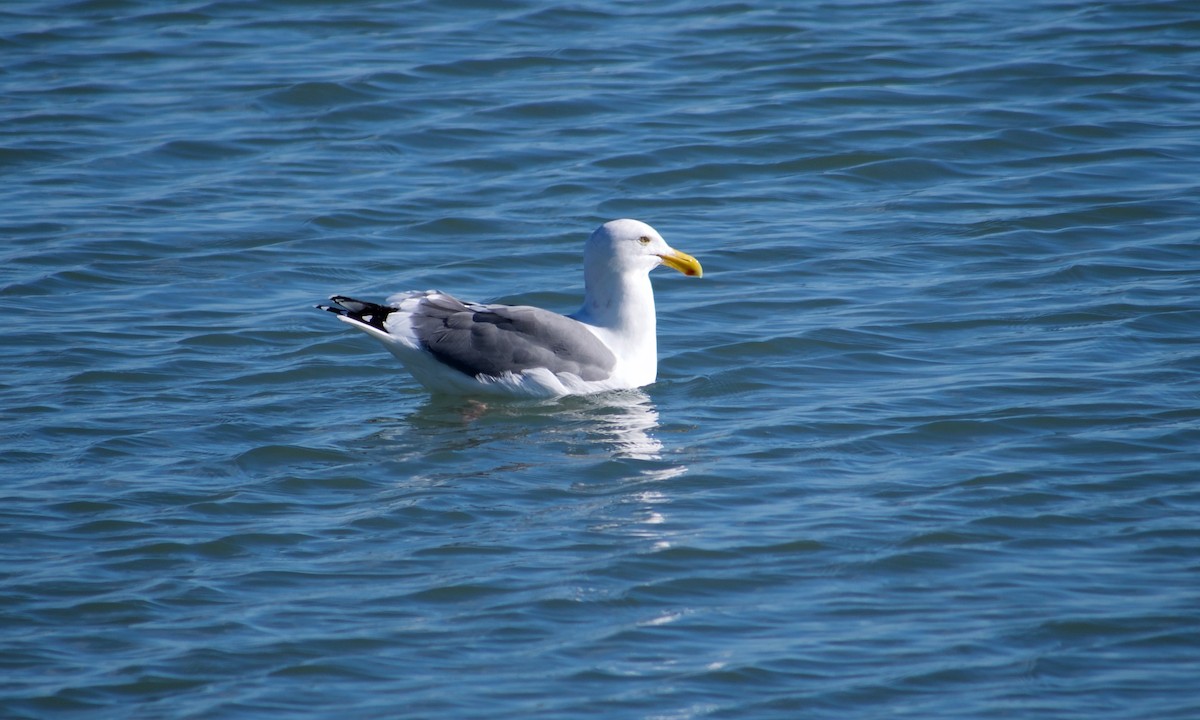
493, 339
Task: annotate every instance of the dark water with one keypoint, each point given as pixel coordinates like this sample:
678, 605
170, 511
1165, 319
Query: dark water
925, 441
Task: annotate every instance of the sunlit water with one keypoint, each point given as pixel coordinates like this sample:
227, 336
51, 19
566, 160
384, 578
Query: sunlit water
925, 440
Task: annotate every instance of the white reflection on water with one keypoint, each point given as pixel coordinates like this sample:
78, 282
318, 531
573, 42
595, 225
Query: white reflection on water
627, 421
598, 443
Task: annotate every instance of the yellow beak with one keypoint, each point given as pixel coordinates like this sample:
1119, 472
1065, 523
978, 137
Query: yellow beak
683, 262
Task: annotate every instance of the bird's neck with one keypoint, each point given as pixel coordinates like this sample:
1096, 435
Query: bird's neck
623, 306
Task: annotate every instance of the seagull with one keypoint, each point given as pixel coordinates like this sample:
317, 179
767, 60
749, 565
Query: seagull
459, 347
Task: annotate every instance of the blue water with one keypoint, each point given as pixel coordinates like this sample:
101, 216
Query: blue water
925, 441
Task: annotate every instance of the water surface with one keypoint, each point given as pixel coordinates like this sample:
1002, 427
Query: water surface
924, 442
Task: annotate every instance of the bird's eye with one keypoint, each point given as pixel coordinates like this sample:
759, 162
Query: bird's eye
644, 240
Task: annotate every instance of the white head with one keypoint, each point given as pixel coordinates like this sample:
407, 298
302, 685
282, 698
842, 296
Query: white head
631, 245
618, 300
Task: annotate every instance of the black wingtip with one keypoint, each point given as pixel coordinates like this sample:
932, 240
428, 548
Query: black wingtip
367, 313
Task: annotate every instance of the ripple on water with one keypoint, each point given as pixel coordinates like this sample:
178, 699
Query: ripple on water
922, 443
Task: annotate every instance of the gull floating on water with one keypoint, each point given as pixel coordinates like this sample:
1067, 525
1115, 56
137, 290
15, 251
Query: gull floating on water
461, 347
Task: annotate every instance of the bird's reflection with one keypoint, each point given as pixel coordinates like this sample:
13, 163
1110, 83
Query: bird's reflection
623, 424
626, 421
603, 451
